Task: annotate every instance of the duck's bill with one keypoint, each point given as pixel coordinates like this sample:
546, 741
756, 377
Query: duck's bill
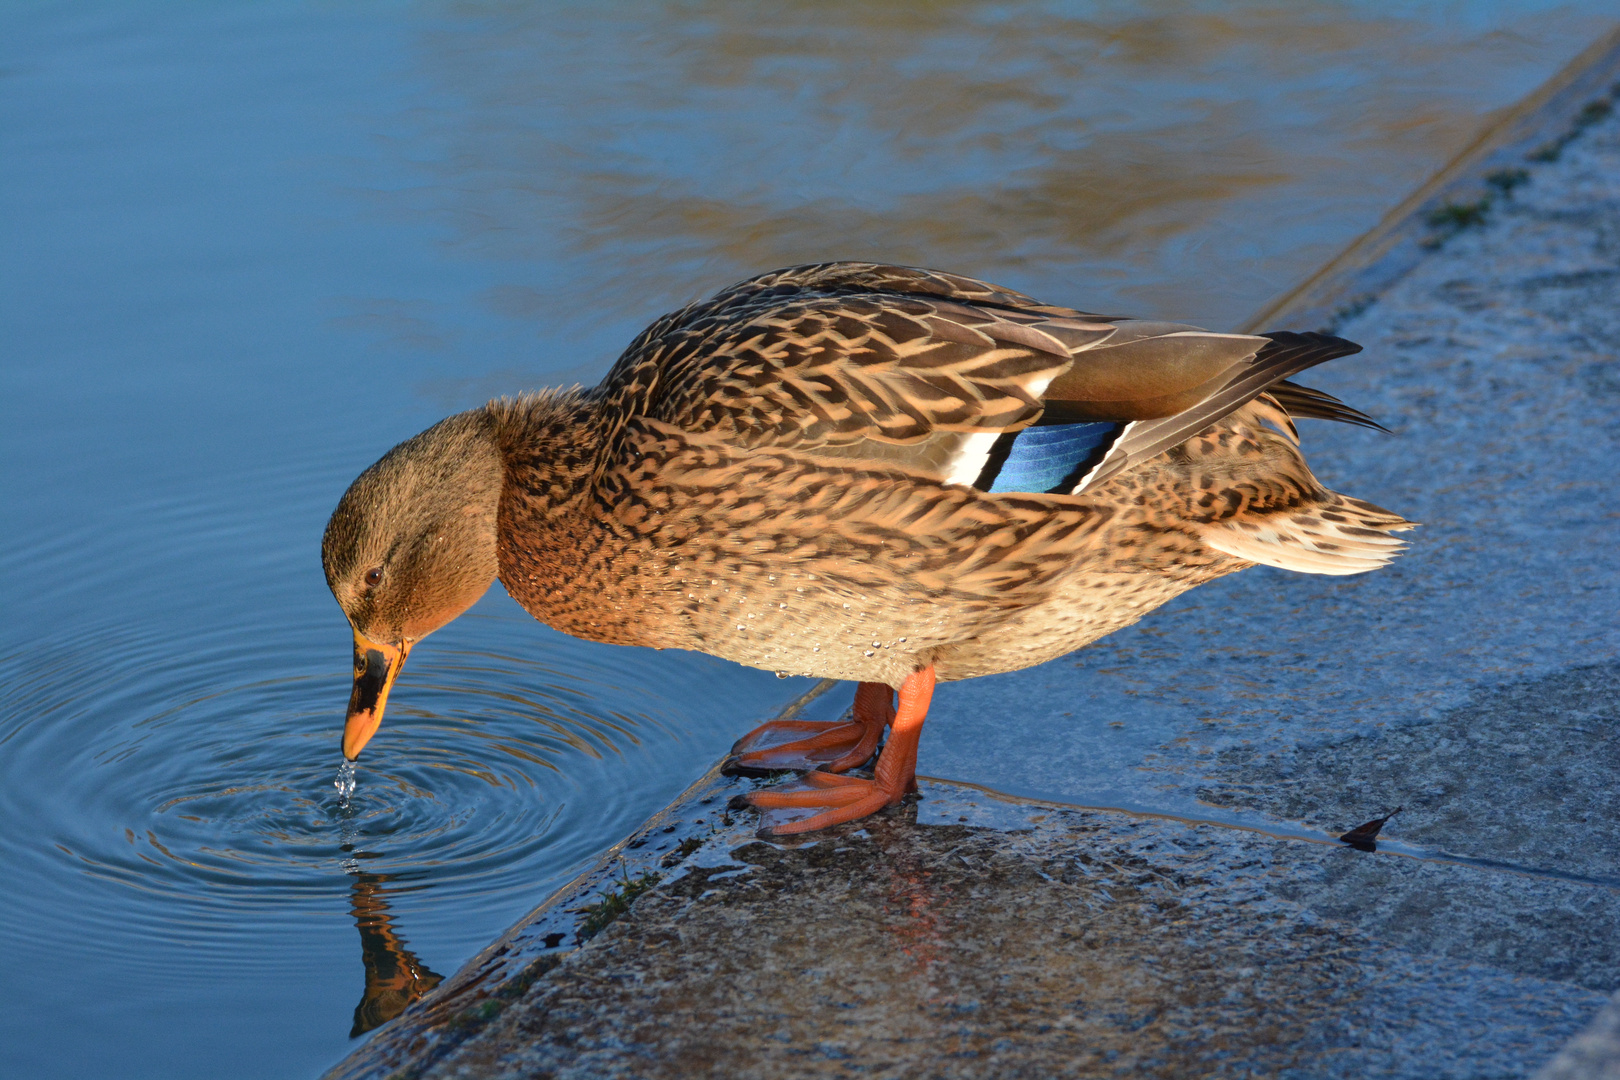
375, 669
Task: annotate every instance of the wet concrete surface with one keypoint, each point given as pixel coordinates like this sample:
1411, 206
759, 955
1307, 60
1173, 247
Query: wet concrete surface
1594, 1054
968, 935
1524, 775
1209, 924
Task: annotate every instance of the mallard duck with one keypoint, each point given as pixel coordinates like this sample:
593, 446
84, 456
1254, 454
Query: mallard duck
855, 471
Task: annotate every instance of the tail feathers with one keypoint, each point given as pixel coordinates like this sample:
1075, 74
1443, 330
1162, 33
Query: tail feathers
1304, 401
1346, 536
1285, 354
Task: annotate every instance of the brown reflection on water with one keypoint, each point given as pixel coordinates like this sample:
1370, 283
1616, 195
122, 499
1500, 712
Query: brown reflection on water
1157, 158
394, 976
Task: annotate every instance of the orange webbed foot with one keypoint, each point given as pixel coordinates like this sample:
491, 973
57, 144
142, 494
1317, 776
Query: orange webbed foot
848, 798
836, 746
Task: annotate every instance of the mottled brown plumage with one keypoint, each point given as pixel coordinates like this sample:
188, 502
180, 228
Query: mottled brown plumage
793, 473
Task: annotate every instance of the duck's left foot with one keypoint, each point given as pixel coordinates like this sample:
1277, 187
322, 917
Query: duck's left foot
842, 798
836, 746
847, 798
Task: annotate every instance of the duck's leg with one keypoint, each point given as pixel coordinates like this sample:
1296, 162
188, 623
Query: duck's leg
849, 797
836, 745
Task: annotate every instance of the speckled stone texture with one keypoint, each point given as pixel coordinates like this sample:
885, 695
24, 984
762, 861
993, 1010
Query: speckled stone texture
1209, 925
1050, 943
1524, 774
1592, 1055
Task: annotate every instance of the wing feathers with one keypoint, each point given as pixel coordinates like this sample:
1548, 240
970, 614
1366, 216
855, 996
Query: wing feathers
1286, 354
850, 358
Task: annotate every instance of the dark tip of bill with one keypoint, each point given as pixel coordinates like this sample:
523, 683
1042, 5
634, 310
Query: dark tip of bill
1364, 837
738, 802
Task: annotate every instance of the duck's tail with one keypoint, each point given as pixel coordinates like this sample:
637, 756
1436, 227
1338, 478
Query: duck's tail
1285, 353
1336, 535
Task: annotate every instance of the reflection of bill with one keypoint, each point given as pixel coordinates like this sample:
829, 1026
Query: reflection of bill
394, 976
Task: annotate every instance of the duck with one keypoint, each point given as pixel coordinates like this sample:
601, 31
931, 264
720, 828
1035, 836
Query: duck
883, 474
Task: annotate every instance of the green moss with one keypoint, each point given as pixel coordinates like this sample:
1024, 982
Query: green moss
615, 903
1348, 311
1590, 113
518, 985
1593, 112
1455, 217
469, 1020
1508, 180
682, 850
1452, 218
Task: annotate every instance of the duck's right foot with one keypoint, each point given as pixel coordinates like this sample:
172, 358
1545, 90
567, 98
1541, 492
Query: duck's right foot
836, 746
848, 798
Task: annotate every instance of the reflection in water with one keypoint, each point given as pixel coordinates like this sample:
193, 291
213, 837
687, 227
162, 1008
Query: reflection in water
1183, 159
394, 976
914, 909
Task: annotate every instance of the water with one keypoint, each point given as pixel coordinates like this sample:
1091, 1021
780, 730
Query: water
345, 782
247, 249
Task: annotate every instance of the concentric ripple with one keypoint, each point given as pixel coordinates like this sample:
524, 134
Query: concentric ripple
226, 798
172, 815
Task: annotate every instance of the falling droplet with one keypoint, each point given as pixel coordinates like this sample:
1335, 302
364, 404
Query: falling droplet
345, 782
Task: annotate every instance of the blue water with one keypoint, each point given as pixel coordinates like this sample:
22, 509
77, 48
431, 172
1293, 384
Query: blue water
245, 249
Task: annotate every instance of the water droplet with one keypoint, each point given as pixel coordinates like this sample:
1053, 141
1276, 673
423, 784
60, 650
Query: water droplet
345, 782
868, 652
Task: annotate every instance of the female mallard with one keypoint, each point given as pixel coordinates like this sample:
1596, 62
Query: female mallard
862, 472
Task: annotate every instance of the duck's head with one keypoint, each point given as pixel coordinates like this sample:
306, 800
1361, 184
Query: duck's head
410, 546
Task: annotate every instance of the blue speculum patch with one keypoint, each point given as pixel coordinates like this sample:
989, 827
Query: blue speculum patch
1051, 458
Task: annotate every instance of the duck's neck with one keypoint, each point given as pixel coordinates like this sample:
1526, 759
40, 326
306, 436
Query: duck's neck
550, 443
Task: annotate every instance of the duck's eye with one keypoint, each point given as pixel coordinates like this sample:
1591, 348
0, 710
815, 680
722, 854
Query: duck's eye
374, 575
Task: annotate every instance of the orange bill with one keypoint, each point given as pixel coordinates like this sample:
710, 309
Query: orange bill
375, 669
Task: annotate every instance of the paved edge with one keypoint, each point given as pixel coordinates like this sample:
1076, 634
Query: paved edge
1542, 123
477, 993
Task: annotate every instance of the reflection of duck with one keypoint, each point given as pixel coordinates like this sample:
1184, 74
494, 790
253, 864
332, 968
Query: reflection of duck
394, 976
858, 472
